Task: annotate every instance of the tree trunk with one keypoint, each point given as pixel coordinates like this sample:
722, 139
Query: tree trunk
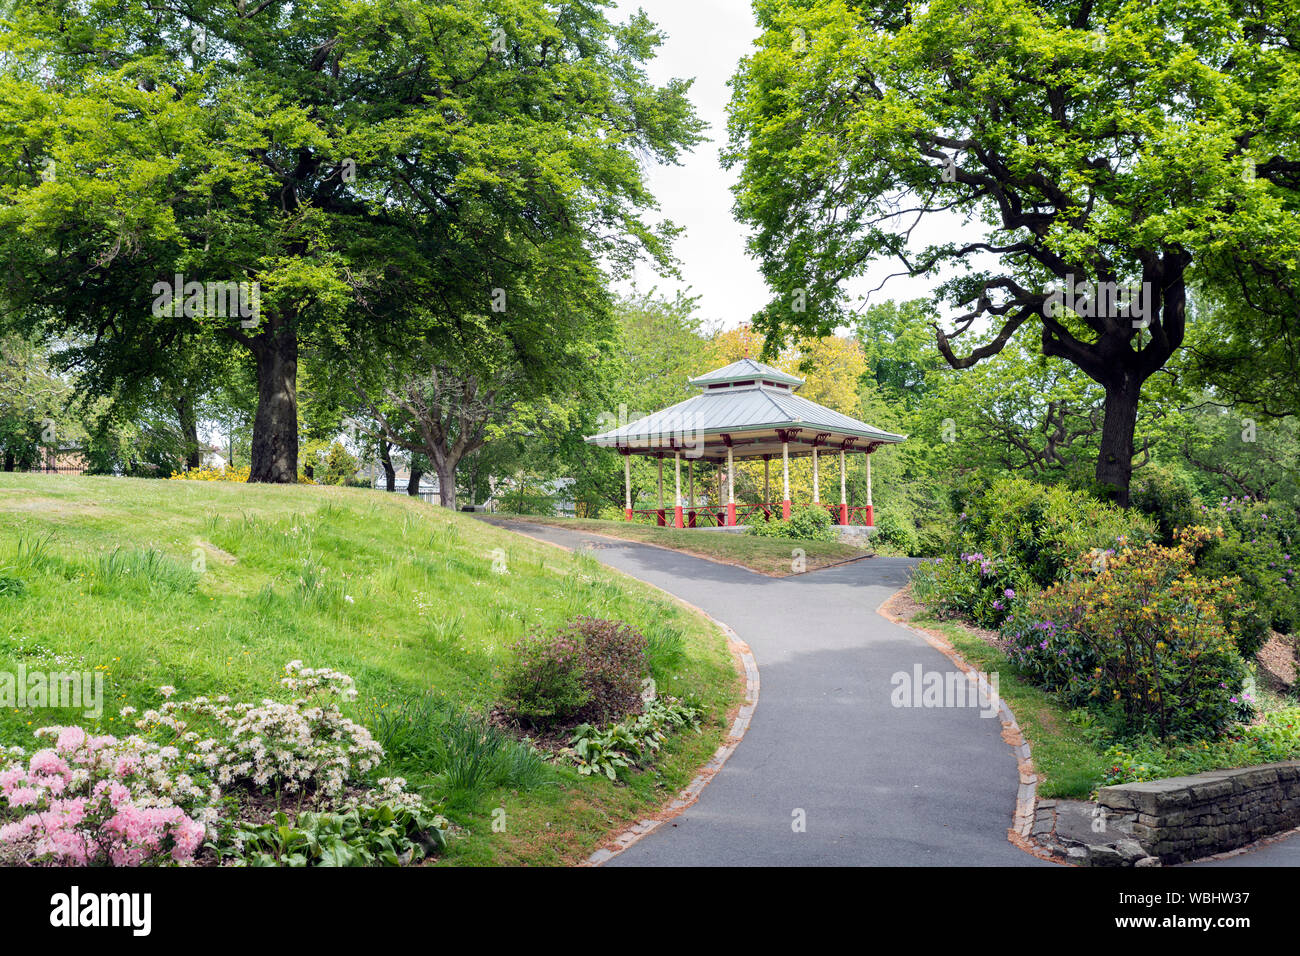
9, 461
386, 459
189, 423
413, 483
446, 483
275, 426
1115, 459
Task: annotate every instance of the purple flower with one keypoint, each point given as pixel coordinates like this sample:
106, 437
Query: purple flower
1009, 593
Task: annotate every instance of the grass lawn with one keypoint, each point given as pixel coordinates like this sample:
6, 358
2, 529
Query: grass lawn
212, 587
772, 556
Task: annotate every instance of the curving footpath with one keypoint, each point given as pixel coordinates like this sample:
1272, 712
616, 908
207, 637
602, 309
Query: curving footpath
877, 785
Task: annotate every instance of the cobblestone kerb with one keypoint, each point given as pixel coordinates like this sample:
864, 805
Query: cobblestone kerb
1185, 818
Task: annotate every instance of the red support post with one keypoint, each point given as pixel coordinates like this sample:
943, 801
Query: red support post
663, 521
871, 516
677, 517
844, 514
731, 514
627, 514
785, 509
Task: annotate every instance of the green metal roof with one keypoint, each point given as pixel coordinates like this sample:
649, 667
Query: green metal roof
737, 410
746, 369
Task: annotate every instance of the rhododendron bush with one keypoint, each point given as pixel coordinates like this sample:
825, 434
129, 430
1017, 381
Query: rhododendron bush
156, 797
1138, 633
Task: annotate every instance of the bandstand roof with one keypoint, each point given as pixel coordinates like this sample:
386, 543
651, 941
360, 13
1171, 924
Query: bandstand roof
746, 405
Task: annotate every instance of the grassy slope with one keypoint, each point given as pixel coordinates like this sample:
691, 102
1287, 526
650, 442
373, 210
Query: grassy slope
766, 555
278, 564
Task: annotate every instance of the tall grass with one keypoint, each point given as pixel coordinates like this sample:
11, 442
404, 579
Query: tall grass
147, 567
468, 755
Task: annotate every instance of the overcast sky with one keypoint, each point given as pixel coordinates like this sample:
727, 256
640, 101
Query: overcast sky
705, 39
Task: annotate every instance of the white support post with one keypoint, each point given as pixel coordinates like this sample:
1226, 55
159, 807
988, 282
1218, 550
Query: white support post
677, 479
690, 481
660, 461
843, 499
731, 489
627, 482
785, 471
869, 501
731, 479
817, 495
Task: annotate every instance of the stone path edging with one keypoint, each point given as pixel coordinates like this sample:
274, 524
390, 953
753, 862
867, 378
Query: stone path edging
1019, 834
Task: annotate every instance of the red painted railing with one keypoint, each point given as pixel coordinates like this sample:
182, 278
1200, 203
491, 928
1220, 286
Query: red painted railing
715, 516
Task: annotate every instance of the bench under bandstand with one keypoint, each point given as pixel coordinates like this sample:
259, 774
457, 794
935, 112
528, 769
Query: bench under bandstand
745, 410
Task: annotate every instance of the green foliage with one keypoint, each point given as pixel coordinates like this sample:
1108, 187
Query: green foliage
1275, 738
1016, 537
633, 743
340, 466
1137, 634
469, 755
362, 836
148, 569
543, 683
1167, 496
896, 533
807, 523
1260, 546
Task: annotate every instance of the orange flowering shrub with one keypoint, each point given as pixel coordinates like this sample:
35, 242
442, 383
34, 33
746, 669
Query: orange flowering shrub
1138, 633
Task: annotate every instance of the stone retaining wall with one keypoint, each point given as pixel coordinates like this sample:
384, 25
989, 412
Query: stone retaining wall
1184, 818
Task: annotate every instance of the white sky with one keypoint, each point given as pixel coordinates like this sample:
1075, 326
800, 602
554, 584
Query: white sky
705, 39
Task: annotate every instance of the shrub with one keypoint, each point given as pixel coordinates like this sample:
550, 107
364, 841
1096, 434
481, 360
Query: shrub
1139, 634
1167, 496
340, 466
1260, 545
97, 800
589, 669
896, 532
807, 523
613, 666
1015, 538
543, 682
305, 745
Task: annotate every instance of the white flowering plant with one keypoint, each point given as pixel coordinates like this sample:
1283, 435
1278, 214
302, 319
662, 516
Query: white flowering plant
305, 746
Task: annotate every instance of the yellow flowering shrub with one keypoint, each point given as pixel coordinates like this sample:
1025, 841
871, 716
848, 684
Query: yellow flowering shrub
1137, 633
229, 474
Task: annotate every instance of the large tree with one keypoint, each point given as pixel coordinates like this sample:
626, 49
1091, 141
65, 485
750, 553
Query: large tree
1044, 146
354, 158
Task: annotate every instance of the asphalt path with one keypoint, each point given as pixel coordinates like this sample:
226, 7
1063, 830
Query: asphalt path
830, 772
